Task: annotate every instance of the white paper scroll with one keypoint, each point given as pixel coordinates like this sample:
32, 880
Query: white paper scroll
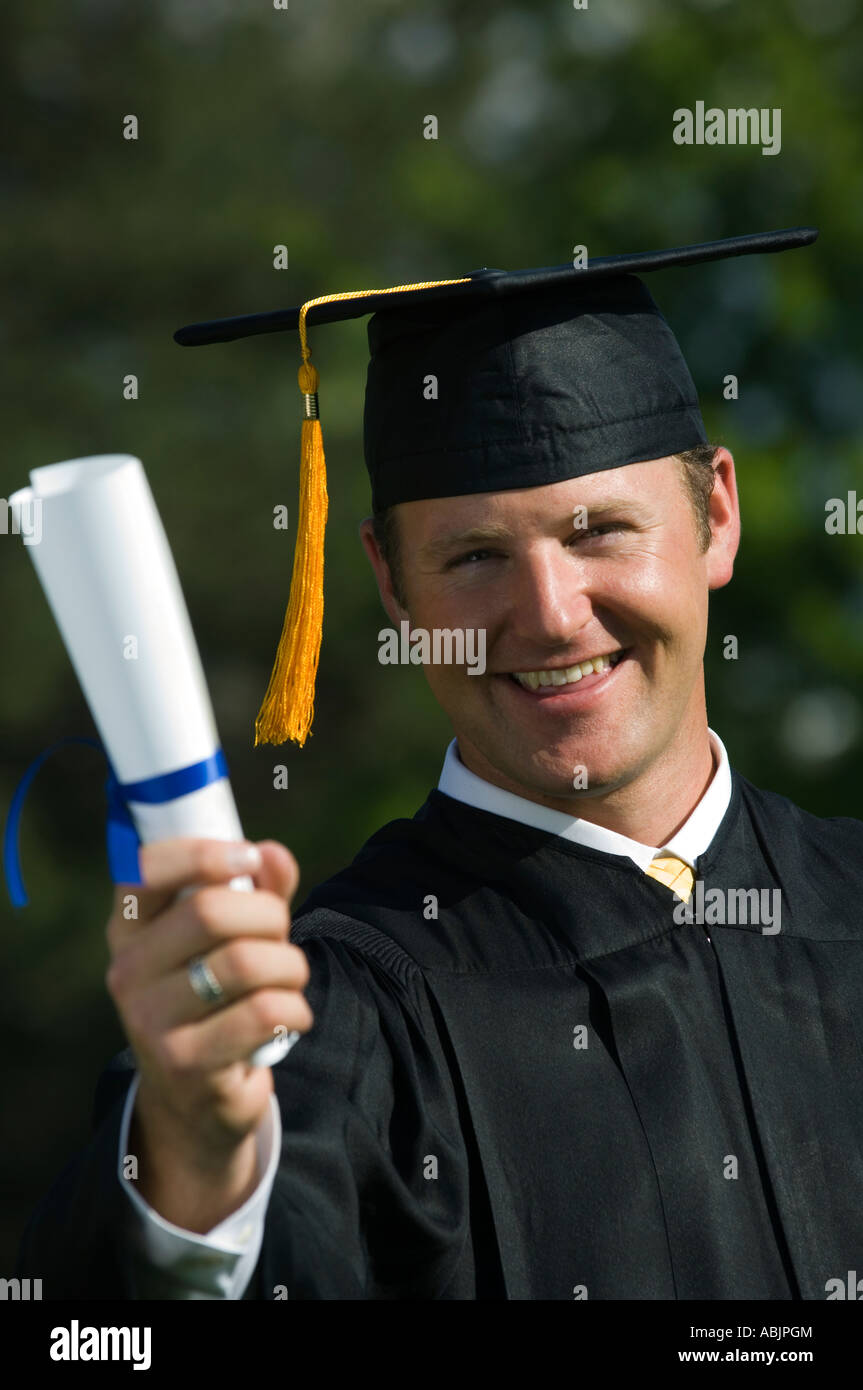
109, 576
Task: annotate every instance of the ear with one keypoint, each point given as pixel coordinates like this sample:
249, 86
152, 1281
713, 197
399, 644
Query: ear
724, 522
392, 607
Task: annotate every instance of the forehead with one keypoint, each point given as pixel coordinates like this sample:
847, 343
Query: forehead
635, 485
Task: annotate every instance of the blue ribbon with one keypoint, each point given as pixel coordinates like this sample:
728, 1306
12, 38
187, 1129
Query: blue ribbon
123, 841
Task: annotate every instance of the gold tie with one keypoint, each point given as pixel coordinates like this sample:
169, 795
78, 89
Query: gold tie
674, 873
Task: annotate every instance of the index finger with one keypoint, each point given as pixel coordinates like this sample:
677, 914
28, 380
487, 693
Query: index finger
168, 866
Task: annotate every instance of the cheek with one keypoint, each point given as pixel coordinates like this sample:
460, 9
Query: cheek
441, 606
454, 690
670, 586
454, 605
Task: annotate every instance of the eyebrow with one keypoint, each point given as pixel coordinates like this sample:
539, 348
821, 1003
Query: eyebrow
620, 506
443, 545
452, 540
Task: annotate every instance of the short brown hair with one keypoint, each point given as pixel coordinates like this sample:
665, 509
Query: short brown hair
698, 476
385, 526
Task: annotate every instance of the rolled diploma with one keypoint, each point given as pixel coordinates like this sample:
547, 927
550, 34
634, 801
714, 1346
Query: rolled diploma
107, 570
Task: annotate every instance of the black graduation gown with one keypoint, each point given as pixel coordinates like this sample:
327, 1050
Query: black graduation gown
550, 1090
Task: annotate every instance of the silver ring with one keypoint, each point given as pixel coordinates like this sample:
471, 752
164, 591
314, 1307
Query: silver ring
204, 982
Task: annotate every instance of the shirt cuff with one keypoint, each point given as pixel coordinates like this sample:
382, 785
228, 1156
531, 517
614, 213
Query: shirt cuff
178, 1264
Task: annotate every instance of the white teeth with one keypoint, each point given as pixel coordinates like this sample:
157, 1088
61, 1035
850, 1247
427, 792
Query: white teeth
567, 675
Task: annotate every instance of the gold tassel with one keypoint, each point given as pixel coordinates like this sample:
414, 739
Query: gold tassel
288, 706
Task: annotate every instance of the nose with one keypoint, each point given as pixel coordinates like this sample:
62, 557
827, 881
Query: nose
549, 603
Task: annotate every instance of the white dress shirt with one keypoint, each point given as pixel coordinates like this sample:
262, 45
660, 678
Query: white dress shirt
180, 1264
691, 839
175, 1263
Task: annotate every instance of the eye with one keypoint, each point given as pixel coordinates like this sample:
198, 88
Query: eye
467, 558
606, 529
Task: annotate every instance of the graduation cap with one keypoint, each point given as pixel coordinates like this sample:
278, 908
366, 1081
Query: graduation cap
492, 381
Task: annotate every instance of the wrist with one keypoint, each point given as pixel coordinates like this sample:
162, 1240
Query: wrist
190, 1181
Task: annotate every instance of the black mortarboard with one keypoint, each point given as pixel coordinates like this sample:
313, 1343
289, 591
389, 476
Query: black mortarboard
493, 381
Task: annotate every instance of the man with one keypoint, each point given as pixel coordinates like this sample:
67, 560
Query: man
529, 1065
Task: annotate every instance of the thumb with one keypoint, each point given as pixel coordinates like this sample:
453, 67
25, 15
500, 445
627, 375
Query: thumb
279, 871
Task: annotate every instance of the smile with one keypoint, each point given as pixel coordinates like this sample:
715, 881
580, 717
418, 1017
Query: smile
567, 675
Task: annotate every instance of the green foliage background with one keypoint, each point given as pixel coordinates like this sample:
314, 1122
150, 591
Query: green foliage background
304, 126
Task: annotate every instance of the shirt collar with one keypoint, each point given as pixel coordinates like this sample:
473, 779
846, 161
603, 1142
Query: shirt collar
691, 840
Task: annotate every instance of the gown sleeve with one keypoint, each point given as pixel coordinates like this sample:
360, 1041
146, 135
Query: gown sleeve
370, 1199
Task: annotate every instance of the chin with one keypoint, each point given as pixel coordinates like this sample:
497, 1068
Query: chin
566, 781
551, 772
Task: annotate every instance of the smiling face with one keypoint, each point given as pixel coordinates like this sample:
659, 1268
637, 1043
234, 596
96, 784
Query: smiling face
593, 594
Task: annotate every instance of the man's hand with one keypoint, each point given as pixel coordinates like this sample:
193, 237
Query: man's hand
199, 1101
